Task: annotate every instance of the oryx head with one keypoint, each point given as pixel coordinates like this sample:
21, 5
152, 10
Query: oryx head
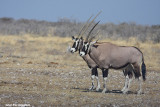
88, 42
78, 41
76, 44
85, 48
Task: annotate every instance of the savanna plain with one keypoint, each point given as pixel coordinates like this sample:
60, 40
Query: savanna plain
40, 72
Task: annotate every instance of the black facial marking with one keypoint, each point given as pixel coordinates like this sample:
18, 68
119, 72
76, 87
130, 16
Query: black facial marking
77, 45
74, 44
84, 48
87, 49
81, 44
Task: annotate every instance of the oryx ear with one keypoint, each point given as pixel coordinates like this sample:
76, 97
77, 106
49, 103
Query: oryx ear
81, 38
93, 43
73, 38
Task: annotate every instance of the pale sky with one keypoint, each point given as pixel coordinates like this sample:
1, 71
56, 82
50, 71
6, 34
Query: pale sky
145, 12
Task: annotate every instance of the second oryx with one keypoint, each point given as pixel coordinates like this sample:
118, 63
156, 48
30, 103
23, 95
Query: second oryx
110, 56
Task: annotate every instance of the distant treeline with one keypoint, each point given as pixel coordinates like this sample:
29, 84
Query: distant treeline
68, 27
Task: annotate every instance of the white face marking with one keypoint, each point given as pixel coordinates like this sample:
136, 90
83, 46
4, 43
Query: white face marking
82, 54
72, 50
77, 43
86, 46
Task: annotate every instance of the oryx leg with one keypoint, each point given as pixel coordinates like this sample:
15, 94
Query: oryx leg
126, 80
128, 84
128, 75
105, 75
93, 74
125, 84
138, 75
140, 85
98, 83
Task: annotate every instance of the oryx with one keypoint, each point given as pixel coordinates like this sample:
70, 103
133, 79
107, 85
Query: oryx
110, 56
78, 42
128, 71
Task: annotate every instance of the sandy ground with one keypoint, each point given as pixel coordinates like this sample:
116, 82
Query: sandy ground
37, 74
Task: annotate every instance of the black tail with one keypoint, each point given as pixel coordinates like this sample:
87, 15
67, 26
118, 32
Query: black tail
143, 67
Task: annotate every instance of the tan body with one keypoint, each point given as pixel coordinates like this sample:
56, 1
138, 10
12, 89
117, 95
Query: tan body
108, 55
128, 71
89, 61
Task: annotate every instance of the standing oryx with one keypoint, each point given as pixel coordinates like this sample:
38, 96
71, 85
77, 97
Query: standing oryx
77, 45
109, 56
128, 71
91, 64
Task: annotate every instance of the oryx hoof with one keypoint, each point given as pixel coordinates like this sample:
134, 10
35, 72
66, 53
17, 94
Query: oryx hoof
104, 91
91, 89
98, 88
125, 91
139, 92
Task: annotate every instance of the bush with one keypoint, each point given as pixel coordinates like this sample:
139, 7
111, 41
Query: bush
67, 27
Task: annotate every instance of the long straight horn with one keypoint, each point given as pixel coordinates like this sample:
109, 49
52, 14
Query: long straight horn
90, 23
91, 31
84, 26
95, 37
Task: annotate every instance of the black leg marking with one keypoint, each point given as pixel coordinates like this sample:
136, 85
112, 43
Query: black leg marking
105, 73
94, 71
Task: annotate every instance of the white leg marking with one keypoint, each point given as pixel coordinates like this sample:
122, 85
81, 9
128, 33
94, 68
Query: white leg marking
92, 87
130, 80
140, 85
128, 86
125, 89
125, 84
98, 84
104, 85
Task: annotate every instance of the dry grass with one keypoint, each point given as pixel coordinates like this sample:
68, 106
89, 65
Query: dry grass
39, 71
